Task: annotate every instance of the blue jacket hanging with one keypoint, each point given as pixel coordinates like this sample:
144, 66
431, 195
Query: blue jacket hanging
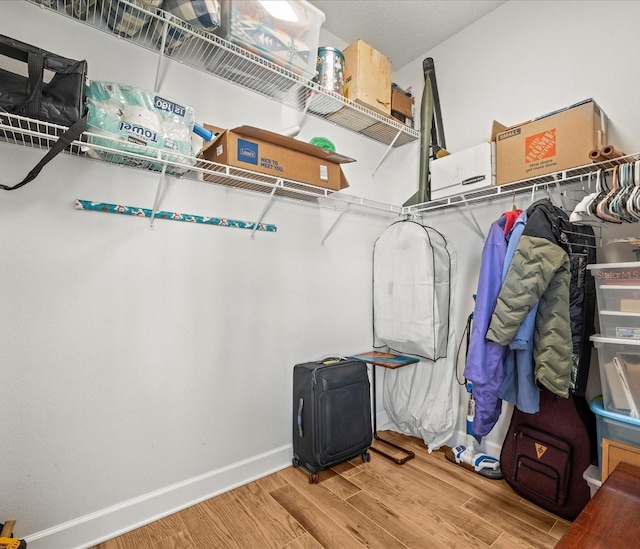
485, 361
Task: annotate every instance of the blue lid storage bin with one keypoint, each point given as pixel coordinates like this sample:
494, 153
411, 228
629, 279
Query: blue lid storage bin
614, 426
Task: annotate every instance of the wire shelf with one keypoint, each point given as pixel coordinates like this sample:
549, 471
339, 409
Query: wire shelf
175, 39
579, 174
20, 130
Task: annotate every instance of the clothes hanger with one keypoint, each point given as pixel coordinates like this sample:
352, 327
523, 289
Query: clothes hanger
603, 208
634, 195
618, 204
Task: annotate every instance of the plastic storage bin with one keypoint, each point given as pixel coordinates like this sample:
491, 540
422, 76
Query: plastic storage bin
619, 362
593, 477
613, 426
286, 33
618, 294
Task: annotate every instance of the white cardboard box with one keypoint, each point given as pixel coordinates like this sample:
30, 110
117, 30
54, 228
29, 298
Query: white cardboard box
464, 171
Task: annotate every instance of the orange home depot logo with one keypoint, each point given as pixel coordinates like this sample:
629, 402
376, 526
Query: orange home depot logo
540, 146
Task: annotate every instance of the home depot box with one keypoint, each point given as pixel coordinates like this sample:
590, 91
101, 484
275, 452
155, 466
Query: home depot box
553, 142
367, 77
270, 153
462, 172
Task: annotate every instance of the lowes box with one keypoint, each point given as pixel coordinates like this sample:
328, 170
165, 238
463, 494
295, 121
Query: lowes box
462, 172
262, 151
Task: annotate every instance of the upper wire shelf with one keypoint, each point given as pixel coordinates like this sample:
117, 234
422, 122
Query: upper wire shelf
579, 174
211, 54
32, 133
27, 132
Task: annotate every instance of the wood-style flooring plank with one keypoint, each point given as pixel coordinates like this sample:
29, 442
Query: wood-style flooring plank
507, 541
164, 528
403, 529
505, 520
559, 529
206, 529
270, 482
179, 540
347, 469
329, 534
363, 529
341, 486
307, 541
420, 506
248, 531
494, 492
427, 503
267, 515
448, 509
136, 539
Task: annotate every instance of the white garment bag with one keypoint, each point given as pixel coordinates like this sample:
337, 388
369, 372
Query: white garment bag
413, 280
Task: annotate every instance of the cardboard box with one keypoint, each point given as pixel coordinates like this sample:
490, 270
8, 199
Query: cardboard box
402, 106
402, 103
367, 77
462, 172
262, 151
554, 142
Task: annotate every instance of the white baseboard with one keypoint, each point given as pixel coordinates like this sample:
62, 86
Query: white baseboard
118, 519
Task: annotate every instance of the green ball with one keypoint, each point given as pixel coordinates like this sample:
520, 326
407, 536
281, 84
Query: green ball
323, 143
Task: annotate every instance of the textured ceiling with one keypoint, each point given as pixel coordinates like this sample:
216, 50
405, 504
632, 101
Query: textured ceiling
401, 29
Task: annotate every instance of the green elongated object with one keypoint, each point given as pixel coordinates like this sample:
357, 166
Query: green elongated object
428, 132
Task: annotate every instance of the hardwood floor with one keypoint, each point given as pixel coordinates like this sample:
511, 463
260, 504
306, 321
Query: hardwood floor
427, 503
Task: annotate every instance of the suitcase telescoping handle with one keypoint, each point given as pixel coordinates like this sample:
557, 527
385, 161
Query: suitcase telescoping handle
300, 427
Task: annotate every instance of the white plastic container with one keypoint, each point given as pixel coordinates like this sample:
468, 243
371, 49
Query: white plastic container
618, 294
463, 172
284, 32
593, 477
619, 361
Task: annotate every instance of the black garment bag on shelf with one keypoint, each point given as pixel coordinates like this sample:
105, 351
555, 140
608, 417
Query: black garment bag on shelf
40, 85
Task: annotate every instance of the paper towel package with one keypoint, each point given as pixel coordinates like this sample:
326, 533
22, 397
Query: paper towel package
462, 172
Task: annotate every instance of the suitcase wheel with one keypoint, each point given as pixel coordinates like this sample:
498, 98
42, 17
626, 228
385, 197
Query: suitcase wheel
366, 457
296, 462
313, 478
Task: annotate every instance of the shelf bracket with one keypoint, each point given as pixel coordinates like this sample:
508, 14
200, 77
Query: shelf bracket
258, 221
476, 225
156, 202
560, 193
333, 225
386, 153
165, 30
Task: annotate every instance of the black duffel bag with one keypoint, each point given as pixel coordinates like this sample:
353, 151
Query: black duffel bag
59, 100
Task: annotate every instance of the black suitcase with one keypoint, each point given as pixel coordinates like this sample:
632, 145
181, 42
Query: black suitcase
331, 414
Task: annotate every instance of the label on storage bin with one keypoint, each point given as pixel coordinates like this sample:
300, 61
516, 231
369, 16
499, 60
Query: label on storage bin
628, 333
324, 173
625, 274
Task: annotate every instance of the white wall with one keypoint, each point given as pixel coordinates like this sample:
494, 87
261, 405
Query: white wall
522, 60
135, 361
